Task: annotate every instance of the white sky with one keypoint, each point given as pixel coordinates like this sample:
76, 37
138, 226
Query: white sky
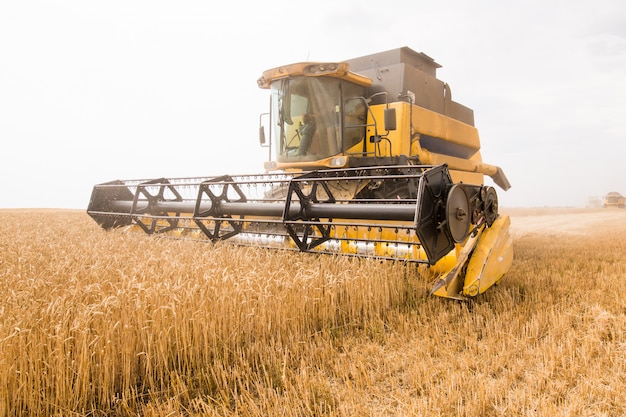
96, 91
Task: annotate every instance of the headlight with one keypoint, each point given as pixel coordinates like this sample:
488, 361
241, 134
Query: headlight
338, 161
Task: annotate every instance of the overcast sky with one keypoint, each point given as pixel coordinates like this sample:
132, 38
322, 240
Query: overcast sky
96, 91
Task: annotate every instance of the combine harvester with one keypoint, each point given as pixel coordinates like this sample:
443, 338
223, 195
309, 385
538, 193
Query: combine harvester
614, 199
368, 157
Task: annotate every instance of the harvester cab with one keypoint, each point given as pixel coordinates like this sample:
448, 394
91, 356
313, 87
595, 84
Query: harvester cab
368, 157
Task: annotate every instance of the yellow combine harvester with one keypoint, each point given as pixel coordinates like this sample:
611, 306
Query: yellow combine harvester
368, 157
613, 199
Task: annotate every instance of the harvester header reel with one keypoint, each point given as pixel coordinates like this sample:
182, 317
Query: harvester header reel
420, 217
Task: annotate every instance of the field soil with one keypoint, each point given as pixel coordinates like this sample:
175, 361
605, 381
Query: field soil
565, 221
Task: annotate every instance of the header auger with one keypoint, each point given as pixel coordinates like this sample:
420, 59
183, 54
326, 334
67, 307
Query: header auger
350, 172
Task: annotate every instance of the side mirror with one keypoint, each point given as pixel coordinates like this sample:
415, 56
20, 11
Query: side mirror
262, 135
390, 119
262, 139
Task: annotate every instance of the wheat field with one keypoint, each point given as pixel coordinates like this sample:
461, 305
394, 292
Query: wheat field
96, 323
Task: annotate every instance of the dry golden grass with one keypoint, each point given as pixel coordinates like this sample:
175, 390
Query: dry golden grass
96, 323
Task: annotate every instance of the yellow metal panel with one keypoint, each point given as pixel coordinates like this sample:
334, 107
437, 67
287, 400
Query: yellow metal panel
430, 123
491, 259
397, 142
425, 122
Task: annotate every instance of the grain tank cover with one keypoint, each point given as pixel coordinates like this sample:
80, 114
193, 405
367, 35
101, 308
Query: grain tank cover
403, 55
405, 72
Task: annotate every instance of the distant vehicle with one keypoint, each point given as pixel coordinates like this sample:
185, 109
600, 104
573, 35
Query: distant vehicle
614, 199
